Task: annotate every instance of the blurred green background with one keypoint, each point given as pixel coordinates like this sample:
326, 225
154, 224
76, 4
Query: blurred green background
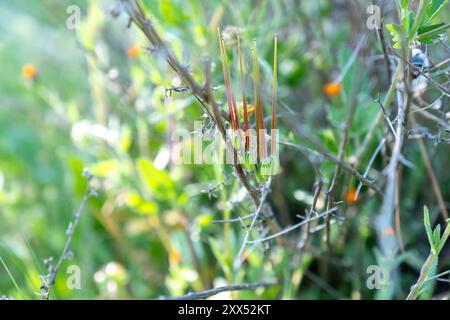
98, 102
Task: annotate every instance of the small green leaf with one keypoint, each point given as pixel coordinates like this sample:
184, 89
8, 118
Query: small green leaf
219, 254
432, 27
408, 22
434, 7
429, 34
444, 237
426, 222
396, 31
436, 238
157, 182
173, 12
204, 220
405, 4
105, 168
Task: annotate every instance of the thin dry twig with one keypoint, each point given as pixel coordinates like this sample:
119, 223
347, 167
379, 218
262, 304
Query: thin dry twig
293, 227
369, 165
381, 37
238, 260
345, 165
136, 14
433, 179
431, 80
384, 223
50, 279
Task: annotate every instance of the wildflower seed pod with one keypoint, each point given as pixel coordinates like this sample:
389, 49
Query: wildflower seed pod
263, 170
236, 141
249, 162
268, 167
259, 177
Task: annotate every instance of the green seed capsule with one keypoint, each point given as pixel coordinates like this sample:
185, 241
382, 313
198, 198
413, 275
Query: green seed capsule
236, 142
269, 167
266, 168
249, 161
259, 177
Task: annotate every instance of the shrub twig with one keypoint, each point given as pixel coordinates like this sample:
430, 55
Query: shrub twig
50, 279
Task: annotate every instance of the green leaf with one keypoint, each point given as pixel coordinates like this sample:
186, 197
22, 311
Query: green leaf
405, 4
436, 238
426, 222
157, 181
444, 237
425, 29
172, 11
408, 22
396, 30
204, 220
429, 34
105, 168
434, 7
219, 254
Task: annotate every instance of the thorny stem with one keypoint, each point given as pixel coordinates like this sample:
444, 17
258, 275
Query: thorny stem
345, 165
239, 256
293, 227
134, 11
381, 37
386, 103
384, 225
424, 74
203, 94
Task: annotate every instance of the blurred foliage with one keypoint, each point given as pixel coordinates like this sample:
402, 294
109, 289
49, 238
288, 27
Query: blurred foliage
99, 101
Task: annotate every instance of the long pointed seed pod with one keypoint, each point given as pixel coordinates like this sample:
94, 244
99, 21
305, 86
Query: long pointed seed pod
274, 97
227, 80
233, 99
244, 95
260, 141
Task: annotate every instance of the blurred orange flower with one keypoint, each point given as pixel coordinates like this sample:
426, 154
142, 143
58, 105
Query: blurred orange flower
332, 89
350, 196
29, 71
133, 51
174, 256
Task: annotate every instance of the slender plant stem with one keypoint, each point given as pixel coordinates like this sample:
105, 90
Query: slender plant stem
50, 280
428, 266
